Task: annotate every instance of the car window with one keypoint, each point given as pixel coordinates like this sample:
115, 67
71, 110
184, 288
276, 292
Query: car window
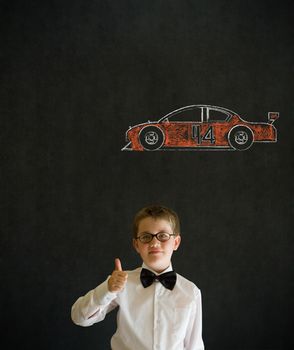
217, 116
187, 115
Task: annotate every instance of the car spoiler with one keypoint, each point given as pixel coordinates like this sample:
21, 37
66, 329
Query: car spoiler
273, 116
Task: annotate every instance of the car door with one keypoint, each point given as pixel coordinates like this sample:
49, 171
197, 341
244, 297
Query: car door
181, 125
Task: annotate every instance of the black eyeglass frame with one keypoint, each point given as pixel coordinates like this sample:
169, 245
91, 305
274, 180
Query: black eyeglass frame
151, 235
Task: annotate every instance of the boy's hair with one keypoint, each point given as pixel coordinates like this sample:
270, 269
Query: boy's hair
157, 212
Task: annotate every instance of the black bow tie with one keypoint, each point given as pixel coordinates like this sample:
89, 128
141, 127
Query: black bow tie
167, 279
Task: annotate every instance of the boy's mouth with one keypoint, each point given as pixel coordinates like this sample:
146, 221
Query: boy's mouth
155, 252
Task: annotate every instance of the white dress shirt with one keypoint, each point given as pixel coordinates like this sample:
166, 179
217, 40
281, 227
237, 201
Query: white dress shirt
152, 318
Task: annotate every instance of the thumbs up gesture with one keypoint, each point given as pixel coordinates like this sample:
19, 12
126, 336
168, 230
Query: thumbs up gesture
118, 278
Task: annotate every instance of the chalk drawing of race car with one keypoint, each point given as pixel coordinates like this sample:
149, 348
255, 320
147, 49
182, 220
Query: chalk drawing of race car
200, 127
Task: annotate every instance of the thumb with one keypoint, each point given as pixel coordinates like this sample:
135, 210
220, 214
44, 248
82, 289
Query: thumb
117, 265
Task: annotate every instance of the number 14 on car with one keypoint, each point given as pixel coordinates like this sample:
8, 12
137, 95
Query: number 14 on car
200, 135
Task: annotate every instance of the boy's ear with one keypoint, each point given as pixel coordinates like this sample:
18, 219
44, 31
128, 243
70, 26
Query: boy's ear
177, 242
135, 245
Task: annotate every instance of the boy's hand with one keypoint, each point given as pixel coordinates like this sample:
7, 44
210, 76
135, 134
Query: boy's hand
118, 278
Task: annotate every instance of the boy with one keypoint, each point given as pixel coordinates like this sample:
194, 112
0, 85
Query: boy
158, 309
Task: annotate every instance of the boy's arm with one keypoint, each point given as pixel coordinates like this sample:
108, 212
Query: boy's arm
193, 339
93, 306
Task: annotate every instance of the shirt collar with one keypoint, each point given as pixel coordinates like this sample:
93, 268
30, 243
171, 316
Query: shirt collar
170, 268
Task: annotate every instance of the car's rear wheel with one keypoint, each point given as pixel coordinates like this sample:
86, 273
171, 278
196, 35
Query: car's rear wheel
151, 138
240, 138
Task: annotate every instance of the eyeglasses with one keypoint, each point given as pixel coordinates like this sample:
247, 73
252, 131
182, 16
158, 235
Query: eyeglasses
161, 236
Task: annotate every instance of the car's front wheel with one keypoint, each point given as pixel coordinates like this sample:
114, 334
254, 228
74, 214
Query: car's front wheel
151, 138
240, 138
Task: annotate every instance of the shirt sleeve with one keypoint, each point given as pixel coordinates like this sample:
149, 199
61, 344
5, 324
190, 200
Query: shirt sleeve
193, 340
93, 306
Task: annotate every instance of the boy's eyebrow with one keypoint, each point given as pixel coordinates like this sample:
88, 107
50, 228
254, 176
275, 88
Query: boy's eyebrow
144, 232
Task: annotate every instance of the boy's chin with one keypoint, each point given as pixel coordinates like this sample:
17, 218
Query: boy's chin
157, 266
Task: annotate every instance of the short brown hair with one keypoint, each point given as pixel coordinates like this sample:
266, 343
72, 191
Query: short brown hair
156, 212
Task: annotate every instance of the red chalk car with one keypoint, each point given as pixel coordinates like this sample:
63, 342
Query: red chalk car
200, 127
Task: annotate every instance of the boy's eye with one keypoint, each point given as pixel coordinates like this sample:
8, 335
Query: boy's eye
163, 236
146, 238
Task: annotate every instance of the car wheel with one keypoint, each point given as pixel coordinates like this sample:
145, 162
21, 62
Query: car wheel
151, 138
240, 138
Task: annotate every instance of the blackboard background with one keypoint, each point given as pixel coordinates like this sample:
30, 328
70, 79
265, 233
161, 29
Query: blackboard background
74, 75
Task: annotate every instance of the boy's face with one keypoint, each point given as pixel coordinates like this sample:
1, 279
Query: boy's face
156, 254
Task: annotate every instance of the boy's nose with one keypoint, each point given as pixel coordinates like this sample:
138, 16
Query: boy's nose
154, 241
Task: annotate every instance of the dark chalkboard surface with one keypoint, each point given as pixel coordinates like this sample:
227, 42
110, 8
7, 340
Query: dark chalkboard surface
75, 75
